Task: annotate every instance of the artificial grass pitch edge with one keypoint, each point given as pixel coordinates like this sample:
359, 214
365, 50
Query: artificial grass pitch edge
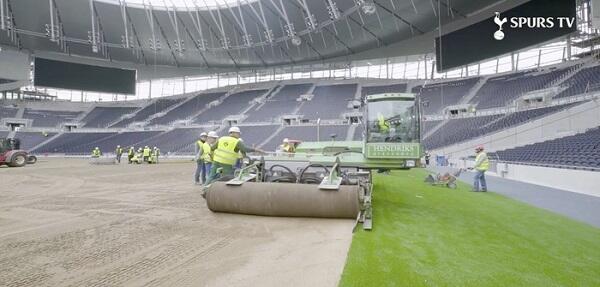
434, 236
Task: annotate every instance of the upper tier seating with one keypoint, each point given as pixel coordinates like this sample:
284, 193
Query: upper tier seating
577, 151
101, 117
499, 91
43, 118
329, 102
434, 97
187, 109
585, 80
283, 102
306, 133
156, 107
234, 104
459, 130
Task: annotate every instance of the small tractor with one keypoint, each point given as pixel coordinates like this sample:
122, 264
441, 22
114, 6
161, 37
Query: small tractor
327, 179
12, 155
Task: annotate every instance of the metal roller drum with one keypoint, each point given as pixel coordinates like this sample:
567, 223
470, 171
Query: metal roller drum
284, 199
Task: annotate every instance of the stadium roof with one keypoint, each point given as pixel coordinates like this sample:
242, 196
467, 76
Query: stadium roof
227, 34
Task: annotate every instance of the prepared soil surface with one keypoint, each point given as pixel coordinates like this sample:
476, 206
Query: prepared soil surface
65, 222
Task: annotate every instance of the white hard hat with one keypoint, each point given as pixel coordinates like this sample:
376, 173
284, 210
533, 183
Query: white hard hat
234, 130
212, 134
203, 134
285, 140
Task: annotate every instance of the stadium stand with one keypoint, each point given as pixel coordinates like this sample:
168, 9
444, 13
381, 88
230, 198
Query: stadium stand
188, 109
232, 105
174, 140
143, 114
329, 102
426, 126
576, 151
436, 96
32, 139
44, 118
8, 112
585, 80
459, 130
101, 117
281, 103
499, 91
72, 143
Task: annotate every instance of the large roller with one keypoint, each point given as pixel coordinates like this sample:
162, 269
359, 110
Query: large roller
284, 199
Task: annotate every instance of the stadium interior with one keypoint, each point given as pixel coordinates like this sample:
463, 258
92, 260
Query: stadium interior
76, 75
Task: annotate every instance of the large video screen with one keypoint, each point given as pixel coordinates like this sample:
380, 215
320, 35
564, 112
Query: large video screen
532, 23
72, 76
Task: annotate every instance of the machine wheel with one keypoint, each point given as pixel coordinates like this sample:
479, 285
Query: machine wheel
452, 185
18, 160
31, 159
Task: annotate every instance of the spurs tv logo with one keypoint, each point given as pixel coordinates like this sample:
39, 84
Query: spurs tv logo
531, 23
499, 35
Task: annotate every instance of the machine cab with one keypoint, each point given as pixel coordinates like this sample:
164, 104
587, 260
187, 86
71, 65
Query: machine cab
392, 126
9, 144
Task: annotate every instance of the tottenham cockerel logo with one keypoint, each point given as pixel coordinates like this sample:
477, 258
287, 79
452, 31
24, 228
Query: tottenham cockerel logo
499, 35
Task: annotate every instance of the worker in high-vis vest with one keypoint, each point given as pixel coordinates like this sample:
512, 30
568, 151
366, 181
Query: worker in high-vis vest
155, 154
287, 147
384, 126
207, 152
146, 153
118, 153
96, 152
201, 172
130, 154
482, 164
225, 154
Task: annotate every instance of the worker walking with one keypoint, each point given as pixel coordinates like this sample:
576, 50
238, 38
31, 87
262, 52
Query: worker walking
225, 154
200, 171
118, 153
482, 164
146, 153
130, 154
96, 152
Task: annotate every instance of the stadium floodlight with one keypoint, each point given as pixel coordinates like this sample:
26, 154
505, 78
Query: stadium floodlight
296, 41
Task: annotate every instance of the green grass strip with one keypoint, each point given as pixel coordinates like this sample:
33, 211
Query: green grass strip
434, 236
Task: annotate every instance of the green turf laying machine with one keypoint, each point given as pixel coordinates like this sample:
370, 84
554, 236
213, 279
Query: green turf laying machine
329, 179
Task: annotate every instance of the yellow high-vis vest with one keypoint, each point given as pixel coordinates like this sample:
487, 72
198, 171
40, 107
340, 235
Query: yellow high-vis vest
485, 163
225, 152
146, 152
206, 152
384, 127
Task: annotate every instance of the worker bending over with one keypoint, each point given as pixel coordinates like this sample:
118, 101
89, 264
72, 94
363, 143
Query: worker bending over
130, 154
96, 152
225, 154
482, 164
118, 153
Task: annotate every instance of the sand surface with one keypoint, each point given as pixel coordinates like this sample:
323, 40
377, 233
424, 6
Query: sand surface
64, 222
